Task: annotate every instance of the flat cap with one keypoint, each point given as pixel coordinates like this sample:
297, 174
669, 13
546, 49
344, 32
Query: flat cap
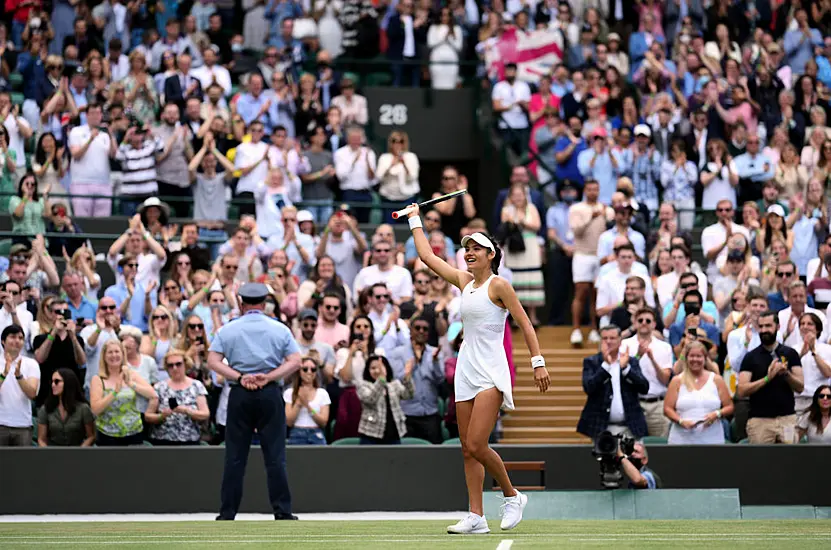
253, 293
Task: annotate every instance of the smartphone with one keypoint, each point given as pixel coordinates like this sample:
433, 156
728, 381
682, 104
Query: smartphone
200, 340
172, 403
692, 332
80, 322
358, 336
67, 314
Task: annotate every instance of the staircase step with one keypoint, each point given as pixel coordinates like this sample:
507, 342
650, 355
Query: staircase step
556, 410
509, 432
540, 421
541, 400
577, 439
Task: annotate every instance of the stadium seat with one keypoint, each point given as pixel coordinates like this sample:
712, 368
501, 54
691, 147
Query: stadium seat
16, 81
347, 441
654, 440
414, 441
454, 441
744, 441
146, 443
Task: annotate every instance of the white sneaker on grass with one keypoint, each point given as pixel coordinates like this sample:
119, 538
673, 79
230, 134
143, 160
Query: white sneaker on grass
576, 337
512, 510
594, 337
472, 524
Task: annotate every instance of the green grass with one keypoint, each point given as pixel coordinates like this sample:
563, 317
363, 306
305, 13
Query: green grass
406, 535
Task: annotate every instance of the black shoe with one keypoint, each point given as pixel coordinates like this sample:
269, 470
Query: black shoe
223, 518
285, 517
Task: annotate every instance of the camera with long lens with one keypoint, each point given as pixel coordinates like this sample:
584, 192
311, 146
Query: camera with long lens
605, 451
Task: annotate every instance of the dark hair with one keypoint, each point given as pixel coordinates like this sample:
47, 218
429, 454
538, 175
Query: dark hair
94, 105
815, 320
646, 311
71, 395
771, 313
625, 246
497, 258
370, 342
611, 326
40, 154
684, 250
384, 361
814, 412
295, 383
9, 330
694, 294
28, 174
769, 231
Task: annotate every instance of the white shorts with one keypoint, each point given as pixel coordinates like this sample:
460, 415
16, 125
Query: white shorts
584, 268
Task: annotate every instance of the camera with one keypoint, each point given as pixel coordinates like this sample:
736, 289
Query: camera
692, 309
605, 451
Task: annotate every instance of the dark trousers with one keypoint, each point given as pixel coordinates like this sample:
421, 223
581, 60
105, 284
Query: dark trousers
425, 427
128, 204
406, 73
560, 287
516, 139
103, 440
361, 212
248, 207
264, 411
179, 201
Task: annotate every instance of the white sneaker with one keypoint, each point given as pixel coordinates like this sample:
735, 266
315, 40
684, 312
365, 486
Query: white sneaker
594, 337
576, 337
512, 510
470, 525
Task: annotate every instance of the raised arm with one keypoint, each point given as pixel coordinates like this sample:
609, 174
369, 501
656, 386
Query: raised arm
450, 274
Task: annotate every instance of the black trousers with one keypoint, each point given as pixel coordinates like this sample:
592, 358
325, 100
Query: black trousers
560, 287
180, 199
425, 427
248, 207
262, 410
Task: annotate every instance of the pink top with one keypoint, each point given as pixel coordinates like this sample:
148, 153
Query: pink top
743, 112
332, 335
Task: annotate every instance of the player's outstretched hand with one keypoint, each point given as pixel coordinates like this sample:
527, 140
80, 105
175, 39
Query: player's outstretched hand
541, 379
413, 211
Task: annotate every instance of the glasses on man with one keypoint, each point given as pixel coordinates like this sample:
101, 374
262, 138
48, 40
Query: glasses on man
645, 321
175, 364
382, 250
421, 328
381, 296
331, 308
309, 324
784, 274
107, 308
132, 265
689, 286
723, 209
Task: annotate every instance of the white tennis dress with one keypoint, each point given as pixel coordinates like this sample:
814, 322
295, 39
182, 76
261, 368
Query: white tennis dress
482, 363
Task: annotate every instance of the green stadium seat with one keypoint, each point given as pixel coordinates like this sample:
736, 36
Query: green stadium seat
146, 443
414, 441
442, 407
347, 441
378, 79
654, 440
445, 433
454, 441
16, 81
17, 98
744, 441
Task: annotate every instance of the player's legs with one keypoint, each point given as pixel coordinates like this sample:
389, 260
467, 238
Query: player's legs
474, 471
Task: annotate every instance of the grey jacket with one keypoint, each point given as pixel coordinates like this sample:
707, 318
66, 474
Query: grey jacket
374, 412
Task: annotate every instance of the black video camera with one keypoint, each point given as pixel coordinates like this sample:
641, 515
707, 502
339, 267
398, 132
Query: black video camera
605, 451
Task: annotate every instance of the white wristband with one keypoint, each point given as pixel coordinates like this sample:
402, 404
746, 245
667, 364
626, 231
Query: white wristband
538, 361
414, 222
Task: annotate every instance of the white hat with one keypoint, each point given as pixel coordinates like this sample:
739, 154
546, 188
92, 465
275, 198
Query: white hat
479, 238
642, 130
304, 216
776, 209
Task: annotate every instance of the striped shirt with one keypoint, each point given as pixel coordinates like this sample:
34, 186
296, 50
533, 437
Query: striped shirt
139, 167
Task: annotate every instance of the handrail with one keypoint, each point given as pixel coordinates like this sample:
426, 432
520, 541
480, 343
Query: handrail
6, 234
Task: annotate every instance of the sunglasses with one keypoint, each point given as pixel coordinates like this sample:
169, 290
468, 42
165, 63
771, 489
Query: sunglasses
397, 141
645, 321
309, 369
175, 364
689, 286
421, 328
182, 263
825, 396
59, 311
382, 250
231, 267
131, 265
57, 382
107, 308
422, 281
196, 326
382, 296
331, 308
159, 317
784, 273
724, 209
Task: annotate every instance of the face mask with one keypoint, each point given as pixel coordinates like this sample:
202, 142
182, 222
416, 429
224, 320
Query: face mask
569, 199
236, 48
767, 338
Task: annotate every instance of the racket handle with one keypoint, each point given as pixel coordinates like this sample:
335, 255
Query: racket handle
402, 213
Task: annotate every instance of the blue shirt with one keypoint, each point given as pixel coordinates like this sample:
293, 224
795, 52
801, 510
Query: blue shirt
776, 302
87, 309
676, 332
557, 219
281, 113
824, 72
281, 11
135, 313
34, 76
709, 308
428, 376
301, 268
603, 171
248, 106
605, 244
569, 170
645, 172
799, 50
753, 167
255, 343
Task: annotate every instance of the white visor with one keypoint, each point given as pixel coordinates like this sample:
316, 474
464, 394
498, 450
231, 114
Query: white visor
478, 238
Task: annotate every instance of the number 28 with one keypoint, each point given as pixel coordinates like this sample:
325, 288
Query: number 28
392, 115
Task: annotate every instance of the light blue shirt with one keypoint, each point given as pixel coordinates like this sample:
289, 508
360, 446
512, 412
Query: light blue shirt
428, 376
805, 242
135, 313
753, 167
556, 218
678, 183
277, 13
282, 112
87, 309
248, 106
824, 72
301, 268
255, 343
605, 244
603, 171
799, 49
709, 308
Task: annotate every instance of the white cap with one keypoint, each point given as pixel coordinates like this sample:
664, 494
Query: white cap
642, 129
479, 238
304, 216
776, 209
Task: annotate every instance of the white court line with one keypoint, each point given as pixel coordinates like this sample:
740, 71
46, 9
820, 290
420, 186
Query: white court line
125, 518
505, 545
278, 537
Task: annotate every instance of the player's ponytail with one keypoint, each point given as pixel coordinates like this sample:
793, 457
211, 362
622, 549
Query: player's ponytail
497, 259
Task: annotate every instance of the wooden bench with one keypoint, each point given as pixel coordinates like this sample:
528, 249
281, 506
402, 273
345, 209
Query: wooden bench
525, 466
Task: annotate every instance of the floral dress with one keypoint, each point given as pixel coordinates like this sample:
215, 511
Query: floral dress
178, 427
144, 105
122, 417
7, 184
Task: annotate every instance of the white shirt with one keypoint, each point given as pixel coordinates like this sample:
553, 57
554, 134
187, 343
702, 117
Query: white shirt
810, 371
23, 316
355, 176
94, 353
612, 286
667, 284
616, 414
409, 37
149, 268
16, 141
813, 263
712, 237
248, 154
398, 334
94, 166
662, 352
398, 281
398, 181
509, 95
205, 75
15, 406
120, 69
304, 417
794, 339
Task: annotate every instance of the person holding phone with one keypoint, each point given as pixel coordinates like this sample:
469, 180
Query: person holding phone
182, 405
350, 364
697, 400
61, 347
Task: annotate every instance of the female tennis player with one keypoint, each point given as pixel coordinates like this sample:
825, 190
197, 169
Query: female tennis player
483, 382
